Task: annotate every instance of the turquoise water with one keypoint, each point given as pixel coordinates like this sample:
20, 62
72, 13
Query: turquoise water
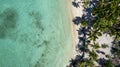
34, 33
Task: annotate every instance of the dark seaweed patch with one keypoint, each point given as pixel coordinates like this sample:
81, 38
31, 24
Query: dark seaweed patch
2, 32
8, 21
37, 17
44, 43
42, 61
37, 64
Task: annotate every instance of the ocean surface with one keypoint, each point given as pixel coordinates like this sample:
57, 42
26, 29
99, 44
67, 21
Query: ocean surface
34, 33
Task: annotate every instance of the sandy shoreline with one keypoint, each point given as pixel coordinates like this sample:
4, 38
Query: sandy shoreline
72, 13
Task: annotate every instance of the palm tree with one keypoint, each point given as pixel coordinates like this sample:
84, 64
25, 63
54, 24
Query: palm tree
81, 64
96, 46
90, 63
107, 14
93, 55
93, 36
86, 3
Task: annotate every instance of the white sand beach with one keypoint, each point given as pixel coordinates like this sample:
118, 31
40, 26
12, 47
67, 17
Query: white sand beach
105, 39
74, 12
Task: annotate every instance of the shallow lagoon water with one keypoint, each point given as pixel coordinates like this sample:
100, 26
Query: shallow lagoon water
34, 33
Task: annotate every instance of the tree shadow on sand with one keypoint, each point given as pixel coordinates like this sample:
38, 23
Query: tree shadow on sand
75, 4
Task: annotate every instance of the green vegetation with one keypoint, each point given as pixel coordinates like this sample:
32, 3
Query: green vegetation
95, 46
86, 4
109, 64
84, 23
107, 17
94, 34
82, 64
108, 21
90, 63
93, 55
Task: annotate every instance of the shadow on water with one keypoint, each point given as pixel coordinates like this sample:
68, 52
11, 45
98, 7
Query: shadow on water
8, 21
37, 17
